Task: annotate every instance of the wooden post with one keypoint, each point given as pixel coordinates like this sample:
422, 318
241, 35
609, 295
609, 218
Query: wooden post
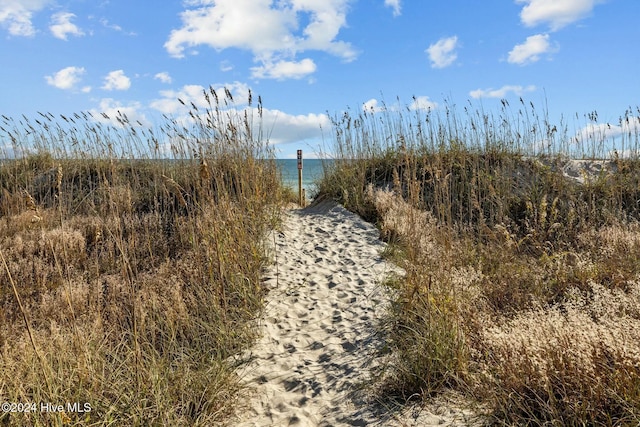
300, 177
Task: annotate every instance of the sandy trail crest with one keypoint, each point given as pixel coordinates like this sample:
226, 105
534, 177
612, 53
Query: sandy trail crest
319, 344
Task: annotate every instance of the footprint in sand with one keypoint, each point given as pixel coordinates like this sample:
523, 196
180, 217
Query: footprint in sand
319, 343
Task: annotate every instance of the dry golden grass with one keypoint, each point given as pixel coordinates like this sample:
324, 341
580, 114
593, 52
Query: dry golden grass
137, 279
522, 286
569, 364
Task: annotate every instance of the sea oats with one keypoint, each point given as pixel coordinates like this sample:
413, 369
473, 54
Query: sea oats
119, 297
30, 202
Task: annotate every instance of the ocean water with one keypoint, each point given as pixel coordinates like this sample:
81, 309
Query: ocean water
311, 171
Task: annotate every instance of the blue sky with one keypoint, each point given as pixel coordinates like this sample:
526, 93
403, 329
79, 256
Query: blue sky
307, 58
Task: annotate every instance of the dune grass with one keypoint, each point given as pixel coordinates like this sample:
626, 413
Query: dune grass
522, 285
128, 280
130, 263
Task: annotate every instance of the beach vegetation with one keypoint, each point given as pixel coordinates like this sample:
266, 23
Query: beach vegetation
520, 243
131, 263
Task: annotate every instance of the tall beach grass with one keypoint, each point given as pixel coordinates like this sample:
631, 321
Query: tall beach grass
522, 273
131, 262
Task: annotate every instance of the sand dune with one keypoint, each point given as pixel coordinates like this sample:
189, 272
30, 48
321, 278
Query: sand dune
320, 347
579, 170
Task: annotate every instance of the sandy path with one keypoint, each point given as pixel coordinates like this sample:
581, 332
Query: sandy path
319, 345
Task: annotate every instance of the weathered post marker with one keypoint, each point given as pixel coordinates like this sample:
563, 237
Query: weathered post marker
300, 178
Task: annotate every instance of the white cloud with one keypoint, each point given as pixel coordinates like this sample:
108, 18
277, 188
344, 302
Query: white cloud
503, 92
278, 126
597, 132
115, 27
600, 132
371, 106
164, 77
422, 103
417, 103
442, 53
110, 110
395, 5
272, 31
15, 15
287, 128
169, 102
116, 80
105, 23
226, 66
61, 26
67, 78
170, 105
282, 70
252, 25
556, 13
530, 51
630, 126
